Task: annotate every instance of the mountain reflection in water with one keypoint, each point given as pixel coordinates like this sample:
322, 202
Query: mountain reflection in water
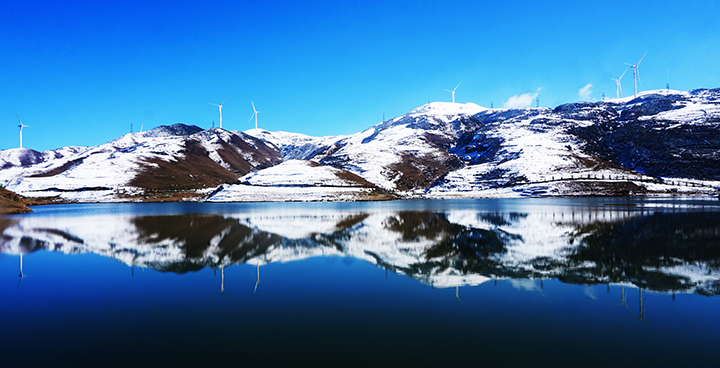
660, 250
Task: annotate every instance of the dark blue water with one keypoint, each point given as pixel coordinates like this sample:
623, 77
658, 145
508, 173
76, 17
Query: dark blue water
82, 302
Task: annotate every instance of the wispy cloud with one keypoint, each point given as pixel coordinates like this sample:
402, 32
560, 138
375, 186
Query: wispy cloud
524, 100
585, 92
590, 293
525, 284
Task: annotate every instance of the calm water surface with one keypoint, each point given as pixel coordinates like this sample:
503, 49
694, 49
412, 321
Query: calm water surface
520, 282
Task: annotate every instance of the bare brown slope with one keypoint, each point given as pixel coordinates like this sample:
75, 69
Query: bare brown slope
193, 171
11, 203
259, 152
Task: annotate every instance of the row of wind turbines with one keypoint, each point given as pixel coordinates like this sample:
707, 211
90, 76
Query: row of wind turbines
618, 93
254, 115
618, 86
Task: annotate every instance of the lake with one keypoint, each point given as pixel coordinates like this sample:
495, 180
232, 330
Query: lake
569, 282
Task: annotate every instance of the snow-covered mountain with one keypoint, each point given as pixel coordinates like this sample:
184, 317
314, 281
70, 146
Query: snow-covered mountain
405, 153
660, 142
652, 247
177, 157
616, 147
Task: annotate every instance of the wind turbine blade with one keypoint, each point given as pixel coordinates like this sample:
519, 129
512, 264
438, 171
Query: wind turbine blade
641, 59
623, 73
16, 115
630, 65
224, 100
447, 90
251, 117
214, 104
457, 86
253, 105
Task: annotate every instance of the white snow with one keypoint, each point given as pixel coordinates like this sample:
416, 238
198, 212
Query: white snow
298, 173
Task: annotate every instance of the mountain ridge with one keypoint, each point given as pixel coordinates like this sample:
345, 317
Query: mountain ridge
628, 146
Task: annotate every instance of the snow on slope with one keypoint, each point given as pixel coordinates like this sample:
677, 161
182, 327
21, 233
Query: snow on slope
115, 165
296, 146
299, 173
406, 152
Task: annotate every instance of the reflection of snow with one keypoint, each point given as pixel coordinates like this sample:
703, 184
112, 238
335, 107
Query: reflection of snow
524, 240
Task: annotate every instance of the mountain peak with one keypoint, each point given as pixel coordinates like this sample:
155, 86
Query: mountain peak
448, 108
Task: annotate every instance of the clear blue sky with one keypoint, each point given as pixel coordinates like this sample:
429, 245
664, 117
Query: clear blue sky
79, 73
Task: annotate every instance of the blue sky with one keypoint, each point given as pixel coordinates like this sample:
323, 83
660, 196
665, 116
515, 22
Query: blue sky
80, 73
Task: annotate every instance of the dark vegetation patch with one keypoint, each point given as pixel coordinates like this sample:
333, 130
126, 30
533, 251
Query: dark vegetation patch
477, 147
605, 188
416, 172
633, 250
354, 178
195, 234
261, 153
58, 170
689, 151
351, 221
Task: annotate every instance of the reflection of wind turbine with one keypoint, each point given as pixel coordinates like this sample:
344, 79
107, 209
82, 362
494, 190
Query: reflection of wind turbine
457, 294
641, 315
453, 91
21, 273
222, 279
257, 279
219, 109
21, 126
254, 115
636, 72
618, 86
623, 297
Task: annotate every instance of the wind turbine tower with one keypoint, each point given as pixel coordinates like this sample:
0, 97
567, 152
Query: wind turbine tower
636, 72
453, 91
254, 115
618, 86
21, 126
219, 109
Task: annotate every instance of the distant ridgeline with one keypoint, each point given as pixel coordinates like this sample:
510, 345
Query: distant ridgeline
660, 142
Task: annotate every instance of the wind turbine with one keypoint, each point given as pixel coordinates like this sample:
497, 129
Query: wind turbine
636, 72
618, 86
21, 126
453, 91
254, 115
220, 108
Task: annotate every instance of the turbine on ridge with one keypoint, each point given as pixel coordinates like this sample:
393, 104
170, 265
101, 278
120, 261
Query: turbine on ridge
254, 115
618, 87
453, 91
220, 108
21, 126
636, 72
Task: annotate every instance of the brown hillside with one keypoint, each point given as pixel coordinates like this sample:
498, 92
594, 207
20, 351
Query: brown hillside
11, 203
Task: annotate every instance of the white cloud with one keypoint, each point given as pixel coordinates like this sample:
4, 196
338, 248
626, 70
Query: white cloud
590, 293
585, 92
524, 100
525, 284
